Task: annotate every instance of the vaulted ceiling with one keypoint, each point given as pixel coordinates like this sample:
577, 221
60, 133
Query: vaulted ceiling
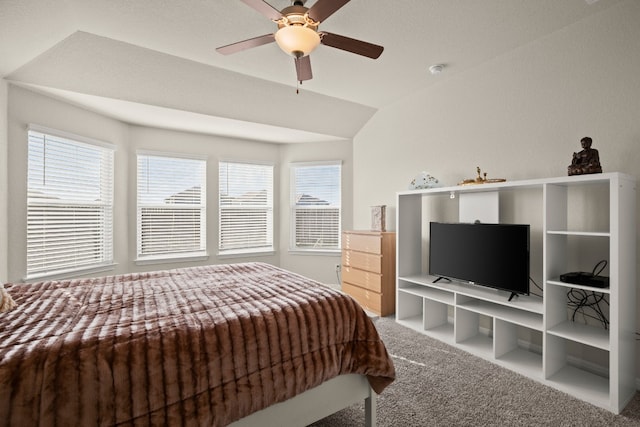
153, 62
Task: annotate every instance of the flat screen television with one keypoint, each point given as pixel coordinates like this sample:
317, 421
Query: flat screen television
493, 255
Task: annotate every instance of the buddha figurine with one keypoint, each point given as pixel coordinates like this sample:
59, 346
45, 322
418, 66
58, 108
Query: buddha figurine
585, 161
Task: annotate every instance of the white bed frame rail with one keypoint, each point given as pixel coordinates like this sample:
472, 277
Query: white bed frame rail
313, 405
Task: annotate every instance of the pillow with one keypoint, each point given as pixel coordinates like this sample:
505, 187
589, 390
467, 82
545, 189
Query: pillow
6, 302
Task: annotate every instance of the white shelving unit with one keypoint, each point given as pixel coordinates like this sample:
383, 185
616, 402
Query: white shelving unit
581, 217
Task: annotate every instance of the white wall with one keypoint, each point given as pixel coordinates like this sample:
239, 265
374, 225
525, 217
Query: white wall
26, 107
321, 268
519, 116
3, 181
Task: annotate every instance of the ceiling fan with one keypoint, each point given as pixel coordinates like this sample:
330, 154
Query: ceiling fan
298, 34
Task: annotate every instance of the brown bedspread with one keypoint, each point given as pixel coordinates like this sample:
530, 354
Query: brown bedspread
200, 346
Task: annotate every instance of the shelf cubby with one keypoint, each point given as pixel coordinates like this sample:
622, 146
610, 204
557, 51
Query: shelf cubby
430, 293
512, 315
581, 384
593, 336
468, 333
509, 353
412, 307
574, 376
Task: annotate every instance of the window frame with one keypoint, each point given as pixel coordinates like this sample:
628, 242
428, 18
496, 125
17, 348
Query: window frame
200, 254
269, 247
293, 247
106, 165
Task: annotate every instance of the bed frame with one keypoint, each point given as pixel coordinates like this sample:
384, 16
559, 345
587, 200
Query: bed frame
317, 403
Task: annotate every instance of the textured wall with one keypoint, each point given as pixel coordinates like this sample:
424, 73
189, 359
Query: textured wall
518, 116
3, 181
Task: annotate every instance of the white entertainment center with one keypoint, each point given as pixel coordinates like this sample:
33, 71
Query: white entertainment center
575, 220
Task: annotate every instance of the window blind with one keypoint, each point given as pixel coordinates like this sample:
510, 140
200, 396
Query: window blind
246, 207
315, 204
171, 211
69, 205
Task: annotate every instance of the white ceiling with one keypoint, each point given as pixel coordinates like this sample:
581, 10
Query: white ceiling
153, 62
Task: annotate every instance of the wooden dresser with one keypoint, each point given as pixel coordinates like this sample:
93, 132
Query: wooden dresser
369, 269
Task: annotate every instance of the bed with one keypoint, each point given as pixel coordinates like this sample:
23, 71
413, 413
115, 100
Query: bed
250, 344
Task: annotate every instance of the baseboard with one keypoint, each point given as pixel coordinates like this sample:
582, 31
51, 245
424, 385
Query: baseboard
527, 345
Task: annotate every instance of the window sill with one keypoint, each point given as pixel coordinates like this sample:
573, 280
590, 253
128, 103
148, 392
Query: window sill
319, 252
191, 257
69, 274
245, 253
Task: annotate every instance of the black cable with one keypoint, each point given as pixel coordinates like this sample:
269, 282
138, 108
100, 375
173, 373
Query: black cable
580, 299
537, 286
604, 262
599, 309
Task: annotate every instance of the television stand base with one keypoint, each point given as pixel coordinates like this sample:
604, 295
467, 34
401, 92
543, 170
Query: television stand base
441, 278
513, 294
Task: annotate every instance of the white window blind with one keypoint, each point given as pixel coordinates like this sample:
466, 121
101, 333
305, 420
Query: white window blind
315, 205
171, 207
69, 204
246, 207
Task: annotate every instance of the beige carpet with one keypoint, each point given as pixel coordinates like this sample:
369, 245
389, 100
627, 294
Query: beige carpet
438, 385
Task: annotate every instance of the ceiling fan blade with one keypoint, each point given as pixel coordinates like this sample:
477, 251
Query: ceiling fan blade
264, 8
303, 68
359, 47
325, 8
246, 44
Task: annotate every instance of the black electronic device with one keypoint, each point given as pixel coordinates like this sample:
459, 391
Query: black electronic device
493, 255
585, 279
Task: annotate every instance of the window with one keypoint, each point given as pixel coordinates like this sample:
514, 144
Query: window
246, 208
315, 206
69, 203
171, 207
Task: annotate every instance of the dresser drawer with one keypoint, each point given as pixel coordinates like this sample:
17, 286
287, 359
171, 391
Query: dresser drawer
371, 301
362, 278
362, 261
362, 242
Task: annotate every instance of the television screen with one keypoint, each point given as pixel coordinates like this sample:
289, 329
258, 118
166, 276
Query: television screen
494, 255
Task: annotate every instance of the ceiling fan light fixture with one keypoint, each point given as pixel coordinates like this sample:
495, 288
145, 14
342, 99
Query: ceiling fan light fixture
297, 40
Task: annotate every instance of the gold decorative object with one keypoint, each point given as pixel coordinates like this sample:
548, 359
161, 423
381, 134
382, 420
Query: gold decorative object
481, 179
